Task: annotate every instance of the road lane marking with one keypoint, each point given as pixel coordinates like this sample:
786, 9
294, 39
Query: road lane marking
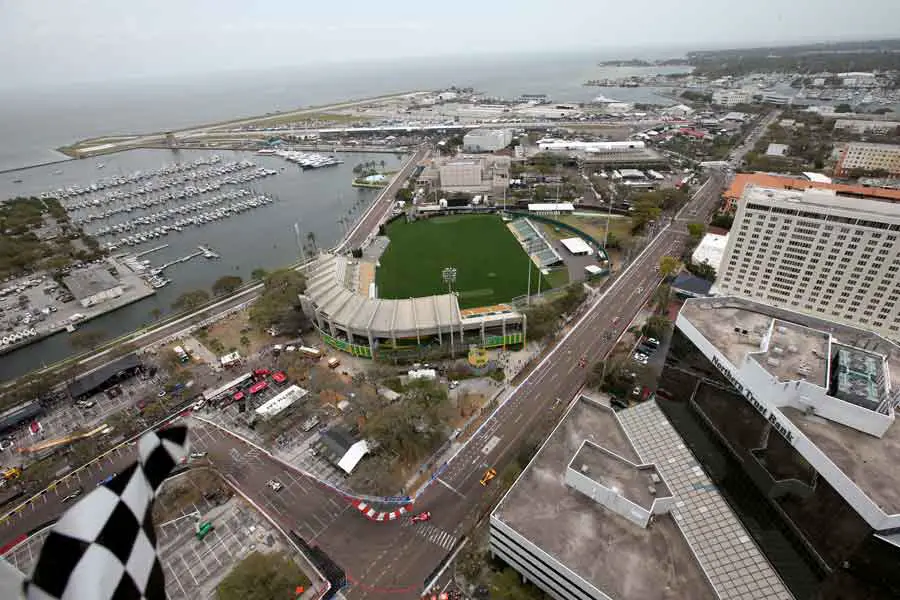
489, 447
450, 487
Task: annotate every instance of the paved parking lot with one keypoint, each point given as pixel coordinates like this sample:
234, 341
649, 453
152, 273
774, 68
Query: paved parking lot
65, 418
193, 568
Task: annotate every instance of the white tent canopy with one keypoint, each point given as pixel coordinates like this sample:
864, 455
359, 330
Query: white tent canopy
576, 245
349, 461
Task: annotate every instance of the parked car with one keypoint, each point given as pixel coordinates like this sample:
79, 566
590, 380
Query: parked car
198, 454
273, 485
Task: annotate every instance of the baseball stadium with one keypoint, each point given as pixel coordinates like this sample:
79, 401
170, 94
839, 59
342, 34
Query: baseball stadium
432, 287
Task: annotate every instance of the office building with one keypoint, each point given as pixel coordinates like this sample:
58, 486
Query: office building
805, 407
487, 140
731, 97
860, 156
474, 174
613, 505
861, 126
818, 253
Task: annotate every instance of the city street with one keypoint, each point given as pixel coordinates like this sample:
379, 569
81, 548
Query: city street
390, 558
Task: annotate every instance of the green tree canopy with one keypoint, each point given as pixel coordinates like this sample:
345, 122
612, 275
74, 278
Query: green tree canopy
258, 274
191, 300
668, 266
696, 230
656, 326
226, 284
279, 303
415, 426
263, 577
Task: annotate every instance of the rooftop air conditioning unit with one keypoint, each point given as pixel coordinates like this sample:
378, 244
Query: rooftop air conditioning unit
585, 469
773, 362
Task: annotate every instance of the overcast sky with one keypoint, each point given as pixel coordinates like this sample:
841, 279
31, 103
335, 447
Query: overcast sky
64, 41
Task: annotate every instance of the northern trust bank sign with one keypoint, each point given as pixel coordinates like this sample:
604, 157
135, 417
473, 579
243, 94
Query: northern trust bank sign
761, 408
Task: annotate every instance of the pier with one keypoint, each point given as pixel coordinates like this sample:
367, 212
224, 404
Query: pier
140, 254
207, 252
203, 251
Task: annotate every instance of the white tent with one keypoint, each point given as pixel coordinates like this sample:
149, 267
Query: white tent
577, 246
349, 461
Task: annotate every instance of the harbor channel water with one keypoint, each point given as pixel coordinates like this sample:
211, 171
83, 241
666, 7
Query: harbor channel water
264, 237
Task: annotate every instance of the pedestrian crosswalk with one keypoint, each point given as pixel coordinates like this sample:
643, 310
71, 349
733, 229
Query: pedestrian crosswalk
435, 535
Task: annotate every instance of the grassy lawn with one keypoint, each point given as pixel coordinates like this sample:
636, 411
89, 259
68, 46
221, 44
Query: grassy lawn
557, 277
491, 266
596, 226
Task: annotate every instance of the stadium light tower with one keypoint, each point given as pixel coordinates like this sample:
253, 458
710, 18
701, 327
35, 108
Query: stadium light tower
449, 276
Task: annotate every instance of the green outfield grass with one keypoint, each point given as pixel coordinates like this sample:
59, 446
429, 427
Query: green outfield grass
491, 266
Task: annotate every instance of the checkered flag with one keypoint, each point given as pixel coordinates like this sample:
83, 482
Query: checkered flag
104, 547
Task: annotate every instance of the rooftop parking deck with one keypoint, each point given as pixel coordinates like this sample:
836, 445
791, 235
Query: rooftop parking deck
613, 554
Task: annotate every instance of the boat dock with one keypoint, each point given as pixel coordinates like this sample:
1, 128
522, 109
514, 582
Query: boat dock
203, 251
207, 252
140, 254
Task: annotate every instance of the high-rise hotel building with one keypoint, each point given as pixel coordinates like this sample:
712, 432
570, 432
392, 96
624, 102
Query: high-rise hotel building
819, 253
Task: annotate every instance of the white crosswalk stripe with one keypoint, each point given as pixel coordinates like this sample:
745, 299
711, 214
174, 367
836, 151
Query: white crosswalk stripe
433, 534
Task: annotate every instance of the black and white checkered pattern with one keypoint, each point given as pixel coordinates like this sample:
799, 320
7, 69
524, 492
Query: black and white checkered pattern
104, 546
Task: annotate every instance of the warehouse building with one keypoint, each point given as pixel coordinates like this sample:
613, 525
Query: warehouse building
487, 140
93, 285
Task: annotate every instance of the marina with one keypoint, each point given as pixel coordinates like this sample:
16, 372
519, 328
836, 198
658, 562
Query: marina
307, 160
263, 237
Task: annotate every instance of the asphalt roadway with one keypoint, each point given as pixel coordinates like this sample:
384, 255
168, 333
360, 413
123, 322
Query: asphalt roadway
394, 559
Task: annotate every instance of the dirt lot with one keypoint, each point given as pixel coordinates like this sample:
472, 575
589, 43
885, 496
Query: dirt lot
226, 335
